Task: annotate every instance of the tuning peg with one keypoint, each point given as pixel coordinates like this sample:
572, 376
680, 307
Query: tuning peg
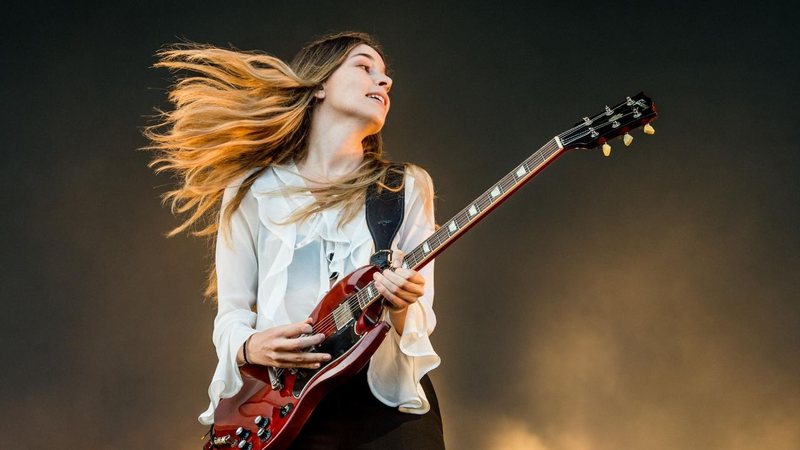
627, 139
606, 149
648, 129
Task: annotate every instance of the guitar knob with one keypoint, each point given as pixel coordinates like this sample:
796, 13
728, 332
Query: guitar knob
264, 434
244, 445
242, 433
262, 422
627, 139
648, 129
285, 409
606, 149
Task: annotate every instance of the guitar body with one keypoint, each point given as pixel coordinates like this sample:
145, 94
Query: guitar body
283, 410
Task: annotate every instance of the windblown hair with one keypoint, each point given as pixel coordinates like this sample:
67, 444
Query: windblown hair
246, 110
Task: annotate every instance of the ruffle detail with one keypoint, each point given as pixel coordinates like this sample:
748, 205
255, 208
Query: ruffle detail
349, 241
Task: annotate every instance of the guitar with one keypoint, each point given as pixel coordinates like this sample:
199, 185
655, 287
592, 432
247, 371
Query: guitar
274, 404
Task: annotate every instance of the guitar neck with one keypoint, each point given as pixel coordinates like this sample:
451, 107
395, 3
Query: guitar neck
468, 217
633, 112
479, 208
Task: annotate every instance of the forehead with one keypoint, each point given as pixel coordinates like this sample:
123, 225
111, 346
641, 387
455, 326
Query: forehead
368, 52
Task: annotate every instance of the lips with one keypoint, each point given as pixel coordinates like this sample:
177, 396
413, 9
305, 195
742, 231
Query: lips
379, 97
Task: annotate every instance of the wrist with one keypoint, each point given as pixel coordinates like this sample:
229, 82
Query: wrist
244, 349
395, 310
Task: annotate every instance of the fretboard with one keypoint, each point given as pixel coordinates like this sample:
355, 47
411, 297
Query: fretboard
481, 206
456, 226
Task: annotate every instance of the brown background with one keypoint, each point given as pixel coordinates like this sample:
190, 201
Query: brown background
642, 301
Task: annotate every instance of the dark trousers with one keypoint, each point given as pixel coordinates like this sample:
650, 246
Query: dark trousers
351, 418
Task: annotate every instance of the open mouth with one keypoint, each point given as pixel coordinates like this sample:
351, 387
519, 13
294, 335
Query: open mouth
377, 98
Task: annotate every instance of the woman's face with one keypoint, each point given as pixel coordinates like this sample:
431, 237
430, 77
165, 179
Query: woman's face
359, 89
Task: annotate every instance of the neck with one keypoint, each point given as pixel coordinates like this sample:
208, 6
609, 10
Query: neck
334, 147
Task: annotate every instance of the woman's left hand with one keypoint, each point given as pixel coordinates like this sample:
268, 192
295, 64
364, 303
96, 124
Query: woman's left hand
401, 287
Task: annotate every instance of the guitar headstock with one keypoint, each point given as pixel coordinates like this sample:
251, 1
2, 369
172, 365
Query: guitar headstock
632, 113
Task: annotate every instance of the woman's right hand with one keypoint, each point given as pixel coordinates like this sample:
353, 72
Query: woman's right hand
283, 346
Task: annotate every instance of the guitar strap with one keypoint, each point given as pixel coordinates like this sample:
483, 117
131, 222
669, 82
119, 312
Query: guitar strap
385, 210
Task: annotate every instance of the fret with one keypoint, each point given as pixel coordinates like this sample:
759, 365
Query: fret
472, 212
411, 259
355, 308
419, 257
462, 219
507, 183
534, 161
369, 293
440, 237
362, 300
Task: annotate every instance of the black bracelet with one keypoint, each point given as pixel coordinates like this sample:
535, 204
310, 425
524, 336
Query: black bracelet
244, 349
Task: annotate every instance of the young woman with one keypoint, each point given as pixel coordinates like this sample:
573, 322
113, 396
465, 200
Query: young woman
275, 159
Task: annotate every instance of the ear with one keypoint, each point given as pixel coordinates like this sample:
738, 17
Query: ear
320, 93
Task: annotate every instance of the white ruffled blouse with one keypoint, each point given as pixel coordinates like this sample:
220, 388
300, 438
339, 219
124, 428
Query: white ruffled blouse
284, 271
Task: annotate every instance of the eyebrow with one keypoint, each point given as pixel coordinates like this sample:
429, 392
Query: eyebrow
368, 56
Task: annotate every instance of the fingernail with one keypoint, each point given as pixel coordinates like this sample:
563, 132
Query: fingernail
316, 366
327, 357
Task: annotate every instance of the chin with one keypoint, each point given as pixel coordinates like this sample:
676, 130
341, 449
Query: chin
375, 124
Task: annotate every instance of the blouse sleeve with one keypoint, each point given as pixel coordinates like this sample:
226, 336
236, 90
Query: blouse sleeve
402, 360
237, 275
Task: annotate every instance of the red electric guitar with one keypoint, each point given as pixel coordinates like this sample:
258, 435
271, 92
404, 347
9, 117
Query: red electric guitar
274, 404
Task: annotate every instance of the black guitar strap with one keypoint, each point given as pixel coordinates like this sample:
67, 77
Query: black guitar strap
385, 211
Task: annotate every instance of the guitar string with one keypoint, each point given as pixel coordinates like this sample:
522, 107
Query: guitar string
327, 324
328, 321
573, 129
593, 119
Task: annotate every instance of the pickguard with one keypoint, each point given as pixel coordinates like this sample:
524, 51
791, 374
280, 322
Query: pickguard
336, 345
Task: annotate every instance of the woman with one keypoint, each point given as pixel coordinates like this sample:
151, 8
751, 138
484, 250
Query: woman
277, 158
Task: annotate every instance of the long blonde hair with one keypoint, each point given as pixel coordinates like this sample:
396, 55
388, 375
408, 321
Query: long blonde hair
246, 110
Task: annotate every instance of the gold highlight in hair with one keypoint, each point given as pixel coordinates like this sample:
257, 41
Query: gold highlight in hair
246, 110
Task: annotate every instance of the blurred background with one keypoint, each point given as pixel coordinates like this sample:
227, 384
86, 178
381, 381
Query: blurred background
648, 300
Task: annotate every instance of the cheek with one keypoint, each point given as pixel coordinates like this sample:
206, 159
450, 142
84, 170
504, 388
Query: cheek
349, 94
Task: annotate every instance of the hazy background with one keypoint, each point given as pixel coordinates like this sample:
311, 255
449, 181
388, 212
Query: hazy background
644, 301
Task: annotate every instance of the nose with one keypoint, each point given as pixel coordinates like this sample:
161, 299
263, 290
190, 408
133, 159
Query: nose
385, 82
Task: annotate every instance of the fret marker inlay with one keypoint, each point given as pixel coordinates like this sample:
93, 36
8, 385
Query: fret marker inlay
495, 192
473, 210
425, 247
521, 171
452, 227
